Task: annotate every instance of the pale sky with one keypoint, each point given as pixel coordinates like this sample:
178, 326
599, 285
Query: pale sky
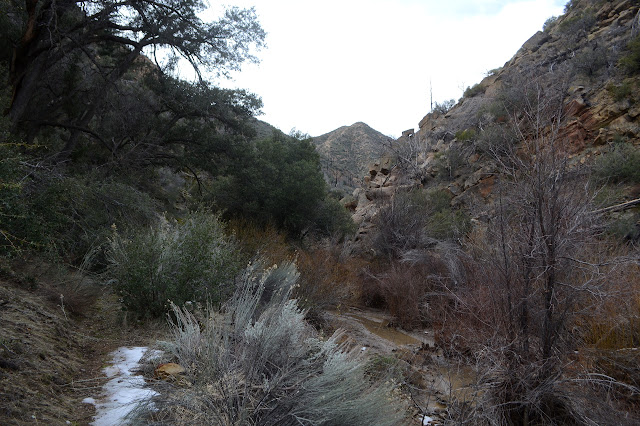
332, 63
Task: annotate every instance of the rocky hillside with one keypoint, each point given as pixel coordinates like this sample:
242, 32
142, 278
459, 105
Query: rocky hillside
347, 152
583, 59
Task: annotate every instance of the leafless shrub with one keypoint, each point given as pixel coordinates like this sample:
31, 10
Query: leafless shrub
328, 279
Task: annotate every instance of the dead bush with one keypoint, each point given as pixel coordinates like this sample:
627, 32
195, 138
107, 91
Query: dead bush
264, 241
413, 292
329, 279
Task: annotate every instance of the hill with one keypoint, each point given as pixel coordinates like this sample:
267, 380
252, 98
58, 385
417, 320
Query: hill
346, 153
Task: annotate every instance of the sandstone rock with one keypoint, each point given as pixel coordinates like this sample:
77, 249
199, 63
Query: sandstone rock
169, 371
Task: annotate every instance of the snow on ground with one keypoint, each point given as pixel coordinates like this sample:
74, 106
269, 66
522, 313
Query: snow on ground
124, 391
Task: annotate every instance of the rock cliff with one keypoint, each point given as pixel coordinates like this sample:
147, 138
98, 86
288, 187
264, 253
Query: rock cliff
581, 57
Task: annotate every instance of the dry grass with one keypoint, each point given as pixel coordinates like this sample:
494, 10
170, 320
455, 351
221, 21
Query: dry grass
41, 355
264, 241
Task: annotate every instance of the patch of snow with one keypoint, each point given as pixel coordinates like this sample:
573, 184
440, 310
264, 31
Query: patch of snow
426, 420
124, 391
89, 401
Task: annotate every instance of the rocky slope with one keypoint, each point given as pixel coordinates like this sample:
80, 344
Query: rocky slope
346, 153
578, 55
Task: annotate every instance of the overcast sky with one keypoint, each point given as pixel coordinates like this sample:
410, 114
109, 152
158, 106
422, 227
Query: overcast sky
332, 63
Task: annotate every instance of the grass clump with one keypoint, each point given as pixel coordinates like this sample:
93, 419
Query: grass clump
258, 362
466, 135
191, 260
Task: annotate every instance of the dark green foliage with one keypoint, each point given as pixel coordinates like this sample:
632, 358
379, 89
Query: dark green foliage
333, 218
190, 260
620, 164
448, 224
496, 141
474, 90
418, 219
450, 162
442, 222
70, 215
579, 25
591, 60
82, 75
625, 227
12, 206
631, 61
278, 180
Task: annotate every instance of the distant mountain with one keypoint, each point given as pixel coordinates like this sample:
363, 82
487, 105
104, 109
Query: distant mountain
347, 152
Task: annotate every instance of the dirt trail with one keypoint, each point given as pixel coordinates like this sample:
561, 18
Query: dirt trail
51, 359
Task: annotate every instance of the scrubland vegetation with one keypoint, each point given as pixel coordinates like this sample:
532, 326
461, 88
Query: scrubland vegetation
159, 190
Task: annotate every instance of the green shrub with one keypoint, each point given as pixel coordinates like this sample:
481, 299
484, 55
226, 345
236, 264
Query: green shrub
620, 164
466, 135
449, 163
191, 260
332, 217
12, 206
591, 60
444, 107
258, 362
415, 220
575, 25
549, 24
474, 90
620, 92
277, 181
448, 224
625, 227
496, 141
72, 215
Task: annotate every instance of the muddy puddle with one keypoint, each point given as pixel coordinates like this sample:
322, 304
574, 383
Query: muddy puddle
380, 327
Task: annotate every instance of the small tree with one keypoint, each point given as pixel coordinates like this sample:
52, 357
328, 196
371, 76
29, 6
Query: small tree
444, 107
